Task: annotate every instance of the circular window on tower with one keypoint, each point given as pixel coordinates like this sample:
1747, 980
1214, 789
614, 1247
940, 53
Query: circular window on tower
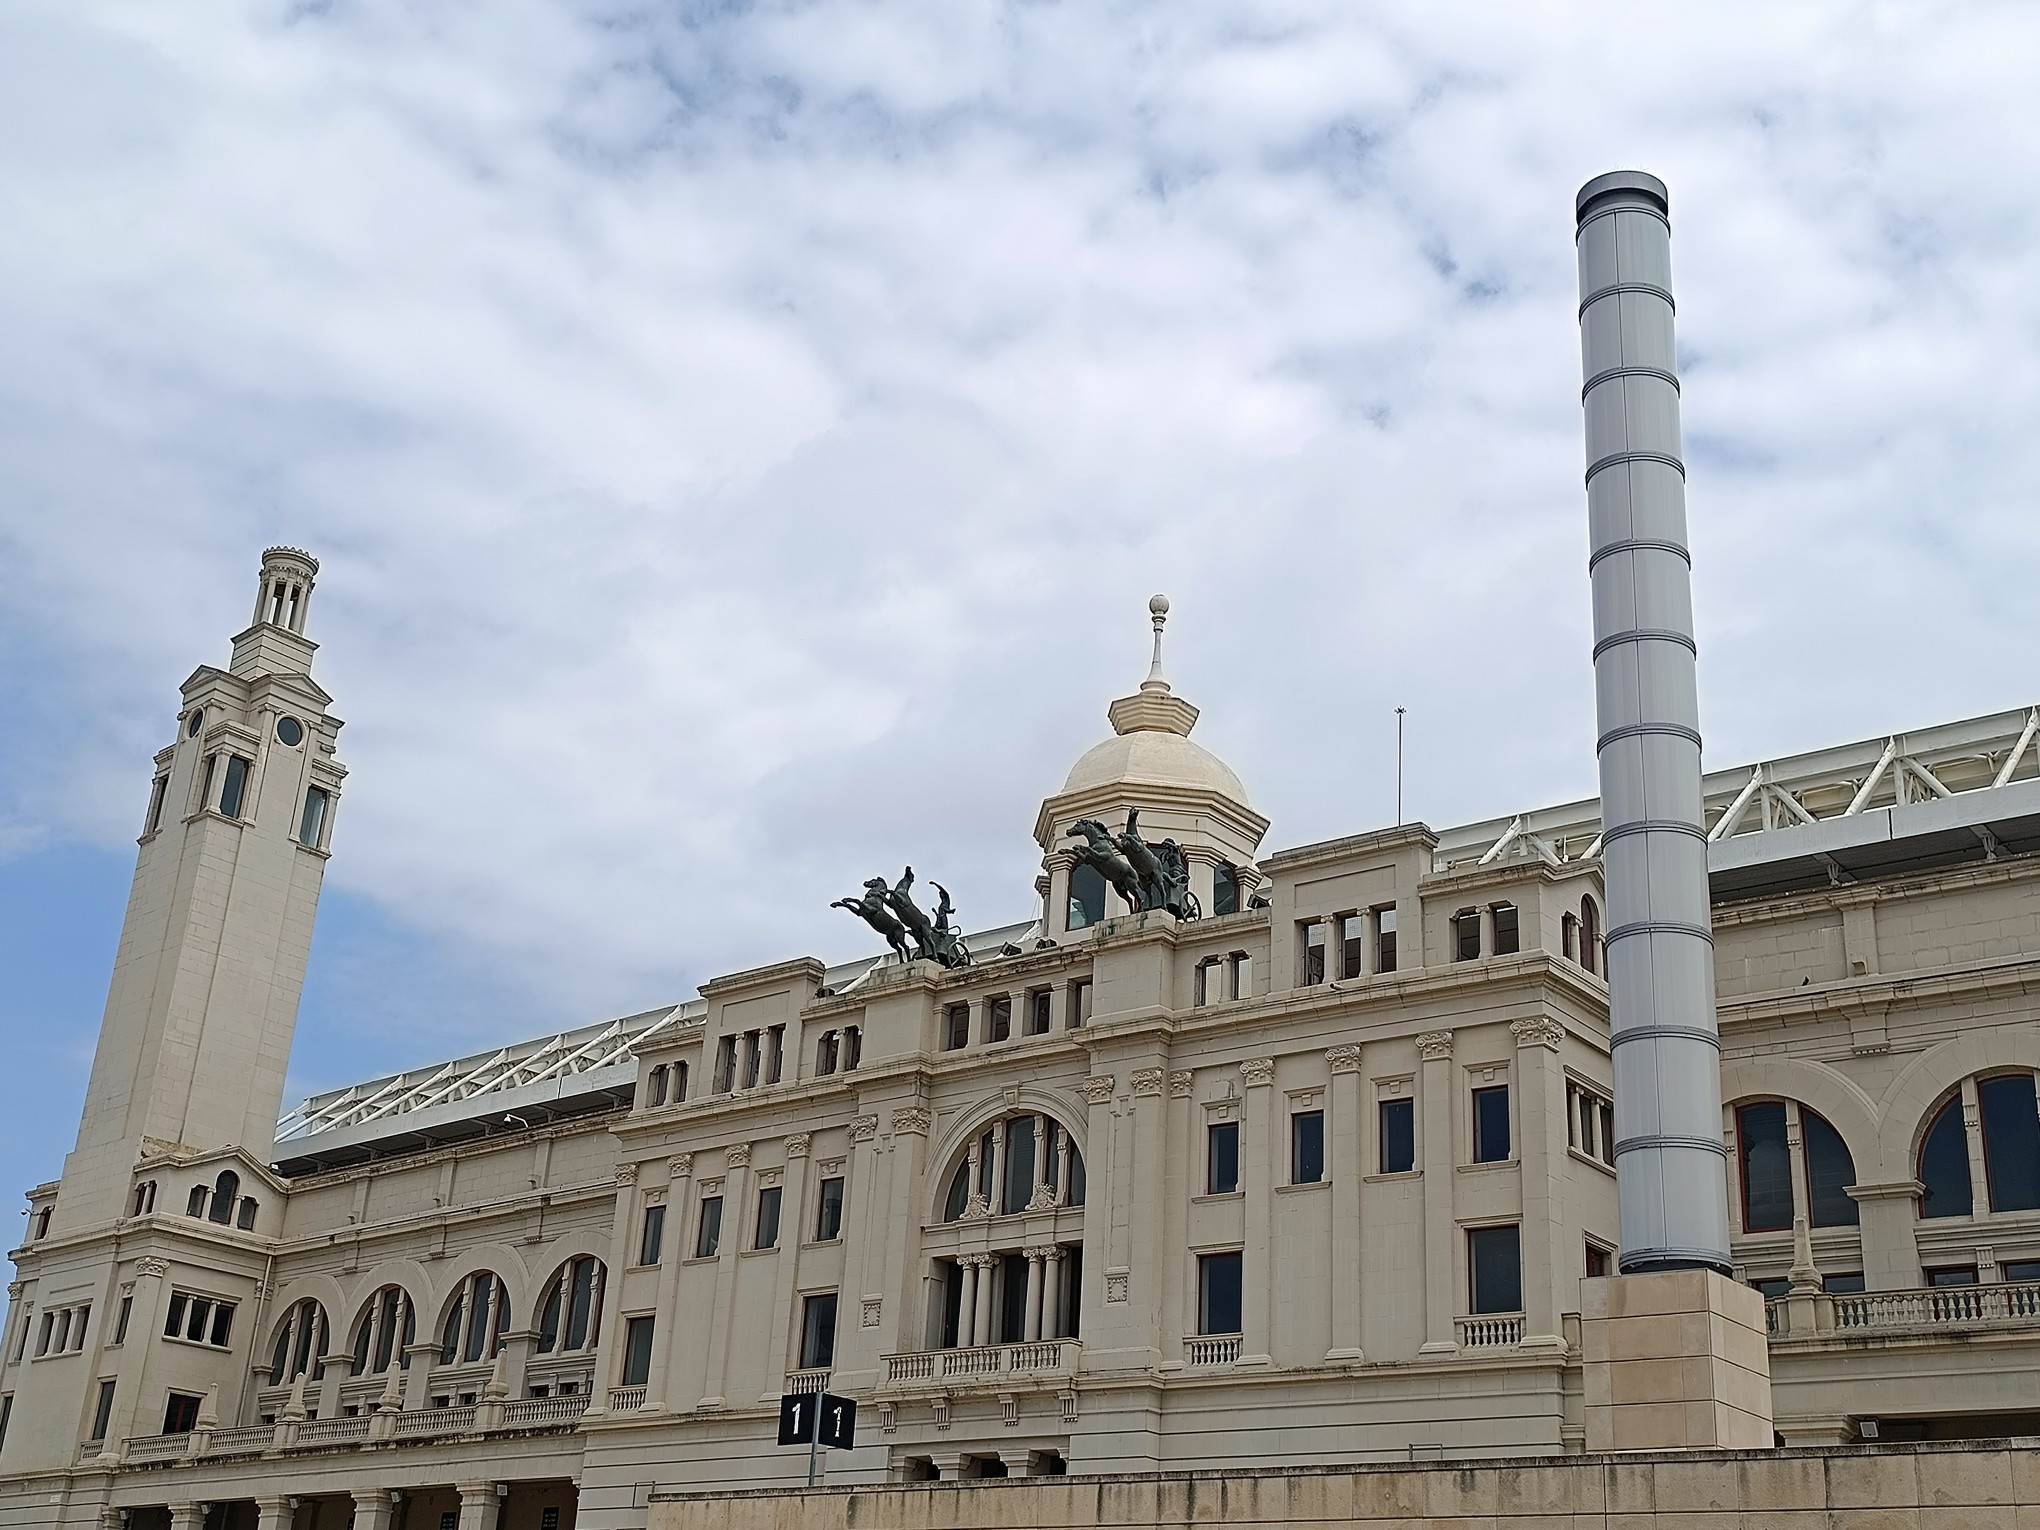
197, 721
290, 730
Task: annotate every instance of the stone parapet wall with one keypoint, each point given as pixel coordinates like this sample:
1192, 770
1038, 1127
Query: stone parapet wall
1966, 1485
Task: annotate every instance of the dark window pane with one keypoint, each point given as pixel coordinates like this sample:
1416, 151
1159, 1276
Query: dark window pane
1944, 1165
1766, 1167
1352, 945
957, 1033
1491, 1125
829, 1223
709, 1239
1218, 1293
1466, 935
1222, 1167
1384, 940
1019, 1162
958, 1200
1507, 938
235, 790
1829, 1173
999, 1018
818, 1332
1038, 1004
1398, 1136
1313, 954
1087, 897
1772, 1289
1225, 890
637, 1351
655, 1235
313, 823
180, 1413
2011, 1141
1495, 1259
1012, 1299
1953, 1275
1307, 1147
768, 1218
2020, 1270
102, 1412
581, 1305
1843, 1285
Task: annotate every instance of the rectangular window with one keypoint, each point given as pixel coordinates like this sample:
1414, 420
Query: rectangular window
234, 792
754, 1057
49, 1329
1222, 1158
180, 1413
1313, 941
173, 1318
1599, 1263
1038, 1012
1239, 976
212, 763
956, 1027
999, 1017
637, 1351
6, 1414
120, 1322
1080, 1004
1352, 945
1508, 929
1200, 984
1491, 1125
1466, 935
653, 1238
102, 1410
1307, 1147
1952, 1275
1384, 939
222, 1323
768, 1218
708, 1237
829, 1218
725, 1065
1495, 1264
1218, 1293
818, 1332
775, 1054
2019, 1271
1398, 1136
312, 822
155, 822
1850, 1284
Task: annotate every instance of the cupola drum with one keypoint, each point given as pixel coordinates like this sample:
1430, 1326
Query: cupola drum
1670, 1160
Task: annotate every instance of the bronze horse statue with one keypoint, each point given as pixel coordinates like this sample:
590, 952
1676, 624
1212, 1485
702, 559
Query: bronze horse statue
1101, 850
871, 908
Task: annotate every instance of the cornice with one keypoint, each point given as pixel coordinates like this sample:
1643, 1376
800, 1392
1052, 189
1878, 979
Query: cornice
2013, 975
764, 977
1326, 852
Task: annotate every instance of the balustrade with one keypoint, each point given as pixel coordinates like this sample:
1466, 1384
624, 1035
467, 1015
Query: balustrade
1489, 1332
1043, 1355
1221, 1349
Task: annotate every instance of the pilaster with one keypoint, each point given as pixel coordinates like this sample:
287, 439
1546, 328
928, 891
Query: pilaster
679, 1194
1260, 1151
1347, 1132
1540, 1109
1441, 1230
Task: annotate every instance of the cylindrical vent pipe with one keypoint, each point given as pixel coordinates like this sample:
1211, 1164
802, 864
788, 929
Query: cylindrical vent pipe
1669, 1157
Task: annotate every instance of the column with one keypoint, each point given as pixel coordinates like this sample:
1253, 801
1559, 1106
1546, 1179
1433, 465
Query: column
418, 1376
1036, 1258
679, 1183
1181, 1178
905, 1154
793, 1227
982, 1323
966, 1302
275, 1514
371, 1509
612, 1293
1058, 920
734, 1190
1441, 1232
1347, 1131
1044, 1191
1146, 1193
1889, 1225
1051, 1294
1259, 1153
186, 1516
1540, 1153
479, 1505
1972, 1124
329, 1373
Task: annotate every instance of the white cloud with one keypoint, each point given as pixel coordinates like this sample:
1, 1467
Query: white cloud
741, 439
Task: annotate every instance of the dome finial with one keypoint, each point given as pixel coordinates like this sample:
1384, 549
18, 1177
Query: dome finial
1158, 609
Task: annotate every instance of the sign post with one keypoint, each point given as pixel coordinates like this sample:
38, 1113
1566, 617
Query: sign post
815, 1419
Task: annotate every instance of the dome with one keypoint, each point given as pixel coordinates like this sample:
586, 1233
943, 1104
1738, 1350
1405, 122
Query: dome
1151, 757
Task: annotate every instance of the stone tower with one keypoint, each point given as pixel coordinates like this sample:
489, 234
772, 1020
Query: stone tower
204, 998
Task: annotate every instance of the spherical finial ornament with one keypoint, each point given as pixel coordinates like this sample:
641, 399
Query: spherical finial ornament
1159, 606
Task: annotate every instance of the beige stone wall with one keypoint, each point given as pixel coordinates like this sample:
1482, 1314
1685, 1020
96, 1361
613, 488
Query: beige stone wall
1983, 1486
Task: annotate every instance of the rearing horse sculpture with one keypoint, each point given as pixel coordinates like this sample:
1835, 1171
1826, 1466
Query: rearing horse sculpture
1101, 850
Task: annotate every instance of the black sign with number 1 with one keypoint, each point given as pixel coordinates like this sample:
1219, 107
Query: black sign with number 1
839, 1423
797, 1412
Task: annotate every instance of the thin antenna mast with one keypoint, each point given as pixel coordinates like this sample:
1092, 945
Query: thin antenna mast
1398, 766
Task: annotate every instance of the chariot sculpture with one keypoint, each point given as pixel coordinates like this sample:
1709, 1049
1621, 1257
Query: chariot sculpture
1147, 876
891, 910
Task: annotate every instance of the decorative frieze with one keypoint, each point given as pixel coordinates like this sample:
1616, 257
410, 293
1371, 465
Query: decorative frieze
1344, 1059
1433, 1045
797, 1145
1147, 1082
1098, 1088
1259, 1072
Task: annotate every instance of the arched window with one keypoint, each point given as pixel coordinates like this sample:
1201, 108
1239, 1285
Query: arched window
1944, 1164
853, 1046
476, 1322
300, 1342
194, 1203
1225, 889
42, 1222
1590, 934
828, 1053
570, 1312
656, 1086
2011, 1141
1770, 1198
225, 1189
1023, 1162
1087, 896
387, 1326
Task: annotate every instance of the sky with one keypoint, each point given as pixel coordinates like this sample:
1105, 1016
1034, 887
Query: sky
740, 440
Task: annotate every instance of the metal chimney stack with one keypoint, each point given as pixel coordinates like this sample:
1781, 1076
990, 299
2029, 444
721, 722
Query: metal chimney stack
1670, 1161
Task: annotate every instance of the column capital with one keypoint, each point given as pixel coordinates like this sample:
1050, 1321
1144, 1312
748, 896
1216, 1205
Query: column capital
1537, 1031
1097, 1089
680, 1166
1259, 1072
913, 1119
626, 1174
798, 1144
1434, 1046
1343, 1059
863, 1128
737, 1156
1147, 1081
1180, 1085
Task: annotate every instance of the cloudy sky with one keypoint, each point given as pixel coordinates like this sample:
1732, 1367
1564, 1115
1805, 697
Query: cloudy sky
741, 439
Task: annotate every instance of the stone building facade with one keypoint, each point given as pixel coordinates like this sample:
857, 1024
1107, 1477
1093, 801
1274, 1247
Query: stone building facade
1311, 1178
